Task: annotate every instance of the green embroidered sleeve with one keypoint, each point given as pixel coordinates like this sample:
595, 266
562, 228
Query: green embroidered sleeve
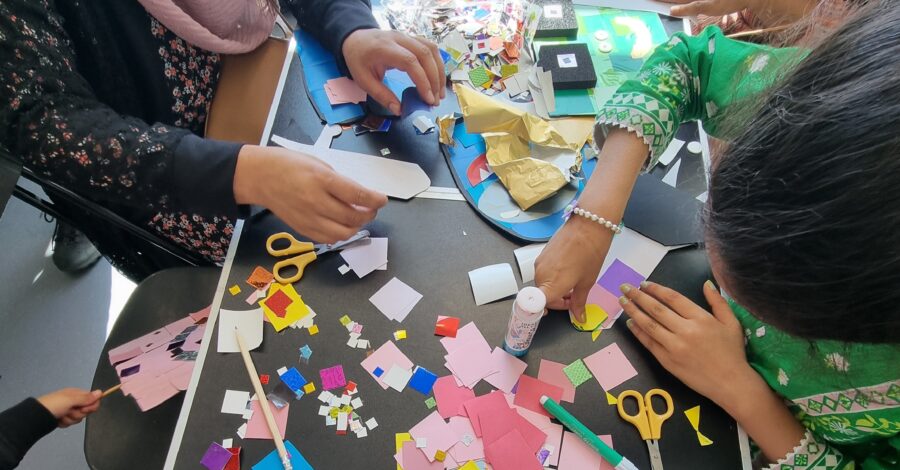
694, 78
813, 455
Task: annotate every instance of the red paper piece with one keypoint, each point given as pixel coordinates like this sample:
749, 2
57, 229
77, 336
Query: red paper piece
529, 393
450, 397
510, 452
264, 379
278, 303
476, 169
446, 326
497, 423
478, 405
234, 463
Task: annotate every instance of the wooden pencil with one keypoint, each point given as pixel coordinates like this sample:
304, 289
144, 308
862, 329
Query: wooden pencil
754, 32
263, 402
111, 390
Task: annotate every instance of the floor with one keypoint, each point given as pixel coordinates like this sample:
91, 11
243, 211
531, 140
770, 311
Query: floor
53, 326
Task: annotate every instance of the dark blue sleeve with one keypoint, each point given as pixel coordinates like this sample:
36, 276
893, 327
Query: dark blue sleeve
331, 21
203, 176
20, 428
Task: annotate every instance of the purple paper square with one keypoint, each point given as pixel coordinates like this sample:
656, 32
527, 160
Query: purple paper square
216, 457
619, 273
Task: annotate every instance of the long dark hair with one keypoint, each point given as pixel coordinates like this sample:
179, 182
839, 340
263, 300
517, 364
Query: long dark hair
804, 205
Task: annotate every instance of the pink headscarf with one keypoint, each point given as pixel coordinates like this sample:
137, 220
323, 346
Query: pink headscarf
223, 26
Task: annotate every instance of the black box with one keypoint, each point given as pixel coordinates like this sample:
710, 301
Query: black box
557, 19
570, 64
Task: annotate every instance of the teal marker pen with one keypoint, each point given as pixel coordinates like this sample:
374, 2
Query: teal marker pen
580, 430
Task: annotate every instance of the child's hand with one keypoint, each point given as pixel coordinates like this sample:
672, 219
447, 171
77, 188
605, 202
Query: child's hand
70, 405
705, 351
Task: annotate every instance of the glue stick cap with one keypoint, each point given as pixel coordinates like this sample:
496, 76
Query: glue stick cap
531, 300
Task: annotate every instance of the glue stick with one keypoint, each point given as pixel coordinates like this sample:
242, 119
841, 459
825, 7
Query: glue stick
523, 322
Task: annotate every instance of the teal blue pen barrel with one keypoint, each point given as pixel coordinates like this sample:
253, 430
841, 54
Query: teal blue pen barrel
581, 431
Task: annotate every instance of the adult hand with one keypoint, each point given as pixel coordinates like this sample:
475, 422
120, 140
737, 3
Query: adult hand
370, 52
304, 192
568, 266
70, 405
705, 351
710, 7
768, 12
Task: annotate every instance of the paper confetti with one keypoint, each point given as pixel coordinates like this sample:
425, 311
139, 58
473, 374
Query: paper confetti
577, 373
446, 326
333, 377
479, 76
430, 403
399, 334
235, 290
260, 278
422, 380
693, 416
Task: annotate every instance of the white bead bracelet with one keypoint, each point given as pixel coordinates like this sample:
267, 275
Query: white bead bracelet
574, 209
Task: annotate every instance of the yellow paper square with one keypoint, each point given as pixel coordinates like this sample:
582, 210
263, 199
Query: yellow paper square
470, 465
295, 311
309, 387
594, 316
399, 439
235, 289
440, 456
345, 320
313, 330
399, 334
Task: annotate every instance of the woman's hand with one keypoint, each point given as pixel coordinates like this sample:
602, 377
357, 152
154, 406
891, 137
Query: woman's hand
710, 7
568, 266
705, 351
769, 12
70, 405
304, 192
370, 52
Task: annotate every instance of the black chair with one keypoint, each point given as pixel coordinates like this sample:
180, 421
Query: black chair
119, 435
130, 248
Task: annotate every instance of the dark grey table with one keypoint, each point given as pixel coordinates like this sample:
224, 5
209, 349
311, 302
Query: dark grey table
433, 245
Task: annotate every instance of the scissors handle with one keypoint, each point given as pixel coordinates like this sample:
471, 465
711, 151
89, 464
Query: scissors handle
294, 246
297, 262
639, 419
655, 419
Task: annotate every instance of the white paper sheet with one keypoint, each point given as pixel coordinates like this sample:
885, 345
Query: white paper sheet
492, 283
671, 152
397, 378
366, 256
235, 402
396, 299
671, 177
525, 257
248, 322
397, 179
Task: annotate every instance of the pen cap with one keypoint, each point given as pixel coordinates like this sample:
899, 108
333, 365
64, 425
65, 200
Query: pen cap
531, 301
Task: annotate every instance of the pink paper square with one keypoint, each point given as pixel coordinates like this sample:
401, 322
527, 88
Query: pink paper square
508, 368
529, 393
478, 405
180, 377
610, 367
554, 439
608, 301
552, 373
577, 455
257, 428
450, 396
461, 452
470, 364
412, 458
467, 336
385, 357
437, 433
510, 452
496, 423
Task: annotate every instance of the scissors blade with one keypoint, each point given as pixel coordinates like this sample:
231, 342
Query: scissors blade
655, 457
320, 249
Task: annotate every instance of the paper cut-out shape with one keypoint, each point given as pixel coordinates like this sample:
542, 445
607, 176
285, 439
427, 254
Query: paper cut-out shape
577, 373
552, 373
508, 370
366, 256
437, 433
235, 402
257, 427
450, 396
594, 316
446, 326
577, 455
400, 334
384, 358
496, 423
617, 274
611, 399
249, 323
492, 283
477, 406
511, 452
278, 303
260, 278
293, 379
216, 457
272, 461
332, 377
422, 380
596, 334
529, 393
343, 90
693, 417
293, 312
430, 403
397, 377
525, 257
396, 299
234, 290
610, 367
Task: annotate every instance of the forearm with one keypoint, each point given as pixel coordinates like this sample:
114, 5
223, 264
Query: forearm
764, 416
618, 165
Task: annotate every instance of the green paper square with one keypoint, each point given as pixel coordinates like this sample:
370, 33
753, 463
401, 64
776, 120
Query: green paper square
507, 70
479, 76
430, 403
577, 373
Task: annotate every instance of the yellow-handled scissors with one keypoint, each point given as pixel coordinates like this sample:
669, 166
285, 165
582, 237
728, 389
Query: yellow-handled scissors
306, 253
647, 420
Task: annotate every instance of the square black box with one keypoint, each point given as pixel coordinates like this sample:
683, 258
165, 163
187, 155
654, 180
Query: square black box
557, 19
571, 65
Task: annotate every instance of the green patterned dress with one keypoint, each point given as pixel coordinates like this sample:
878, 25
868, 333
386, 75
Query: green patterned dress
846, 395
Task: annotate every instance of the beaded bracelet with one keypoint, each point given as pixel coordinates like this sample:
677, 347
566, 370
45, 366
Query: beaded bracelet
574, 209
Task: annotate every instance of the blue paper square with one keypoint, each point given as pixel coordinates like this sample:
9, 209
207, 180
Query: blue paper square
293, 379
378, 372
422, 380
305, 351
273, 461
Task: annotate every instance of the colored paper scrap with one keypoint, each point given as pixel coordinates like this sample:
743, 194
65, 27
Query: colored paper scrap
272, 461
577, 372
477, 406
332, 377
400, 334
436, 431
278, 303
397, 377
412, 458
366, 256
529, 393
606, 300
469, 447
693, 417
257, 427
577, 455
216, 457
234, 290
249, 323
384, 358
479, 76
553, 373
313, 330
446, 326
611, 399
617, 274
395, 300
497, 423
343, 90
553, 443
235, 402
610, 367
450, 396
422, 380
508, 370
510, 452
470, 364
260, 278
430, 403
525, 258
594, 316
492, 283
293, 379
293, 312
